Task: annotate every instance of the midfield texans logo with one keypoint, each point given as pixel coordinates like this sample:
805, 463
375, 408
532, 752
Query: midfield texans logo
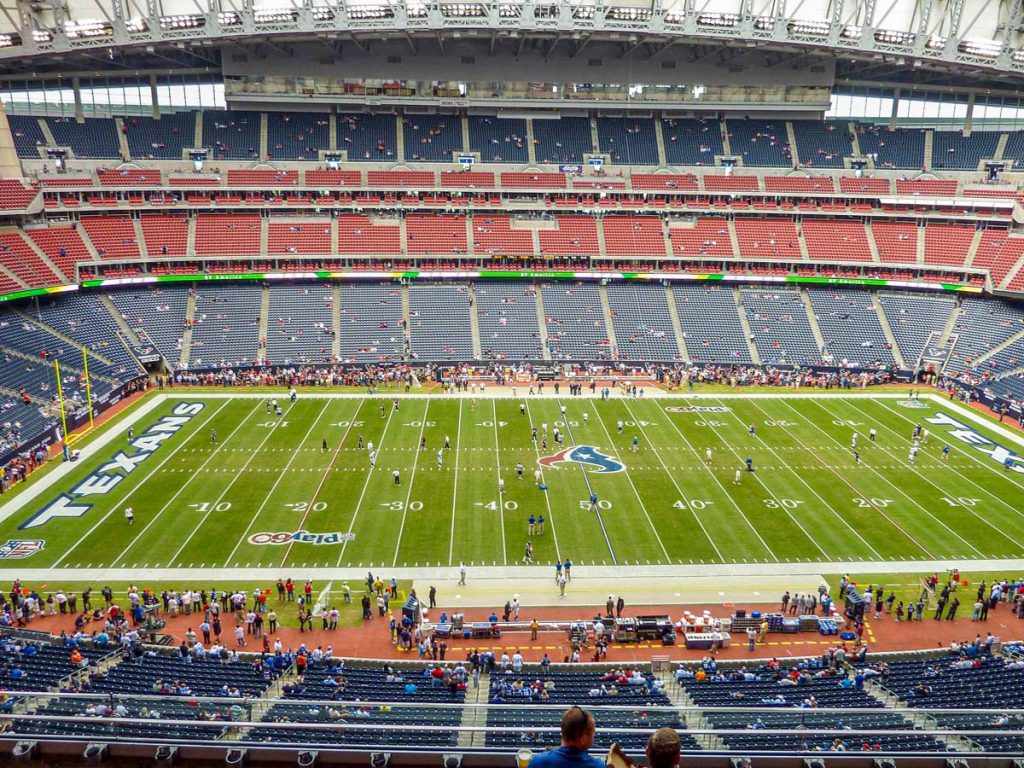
583, 454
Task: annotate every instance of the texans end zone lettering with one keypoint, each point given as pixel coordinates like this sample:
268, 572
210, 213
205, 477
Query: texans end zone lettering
965, 434
121, 464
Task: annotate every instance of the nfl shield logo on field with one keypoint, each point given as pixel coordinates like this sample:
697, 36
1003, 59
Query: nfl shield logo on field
17, 549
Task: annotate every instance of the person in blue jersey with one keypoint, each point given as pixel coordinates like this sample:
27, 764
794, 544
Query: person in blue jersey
578, 729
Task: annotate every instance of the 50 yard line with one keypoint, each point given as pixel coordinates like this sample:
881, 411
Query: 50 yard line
455, 484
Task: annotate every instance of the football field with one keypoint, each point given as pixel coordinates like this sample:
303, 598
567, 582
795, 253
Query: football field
299, 490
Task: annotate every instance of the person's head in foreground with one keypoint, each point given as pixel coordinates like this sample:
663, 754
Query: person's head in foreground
578, 730
663, 748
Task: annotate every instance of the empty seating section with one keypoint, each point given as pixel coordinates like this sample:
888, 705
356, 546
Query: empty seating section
204, 677
896, 241
1014, 149
165, 234
998, 253
439, 322
691, 142
15, 196
320, 683
17, 255
265, 178
306, 236
432, 138
227, 234
643, 326
367, 138
128, 177
493, 234
157, 316
913, 318
934, 187
760, 143
498, 140
1009, 358
95, 137
947, 244
28, 136
864, 186
664, 181
435, 233
297, 135
533, 180
575, 236
634, 236
300, 325
779, 327
954, 683
371, 322
334, 178
507, 318
36, 343
226, 326
892, 148
836, 240
113, 237
62, 245
8, 284
562, 140
731, 183
43, 665
983, 325
822, 144
232, 135
850, 326
406, 179
575, 322
468, 179
705, 237
163, 139
359, 233
767, 238
798, 711
627, 140
953, 150
85, 319
799, 183
632, 700
722, 341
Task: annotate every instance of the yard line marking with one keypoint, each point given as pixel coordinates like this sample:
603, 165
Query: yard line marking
982, 488
686, 499
898, 490
220, 497
718, 482
991, 466
590, 491
632, 485
455, 484
501, 496
273, 488
412, 480
547, 499
138, 485
815, 492
366, 484
320, 485
764, 485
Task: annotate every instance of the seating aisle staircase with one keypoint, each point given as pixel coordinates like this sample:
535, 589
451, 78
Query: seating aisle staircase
693, 717
474, 716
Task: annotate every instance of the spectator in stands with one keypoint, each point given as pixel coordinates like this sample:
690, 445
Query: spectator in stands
578, 729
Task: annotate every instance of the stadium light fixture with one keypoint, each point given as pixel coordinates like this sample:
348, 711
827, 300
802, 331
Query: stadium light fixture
379, 759
817, 28
8, 41
894, 36
936, 43
764, 23
1018, 56
182, 21
275, 15
988, 49
322, 13
88, 28
851, 32
229, 19
718, 19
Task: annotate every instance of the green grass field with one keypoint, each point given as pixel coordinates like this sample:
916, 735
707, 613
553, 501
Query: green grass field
235, 504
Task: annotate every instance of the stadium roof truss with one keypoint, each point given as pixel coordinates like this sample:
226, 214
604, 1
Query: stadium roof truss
980, 37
